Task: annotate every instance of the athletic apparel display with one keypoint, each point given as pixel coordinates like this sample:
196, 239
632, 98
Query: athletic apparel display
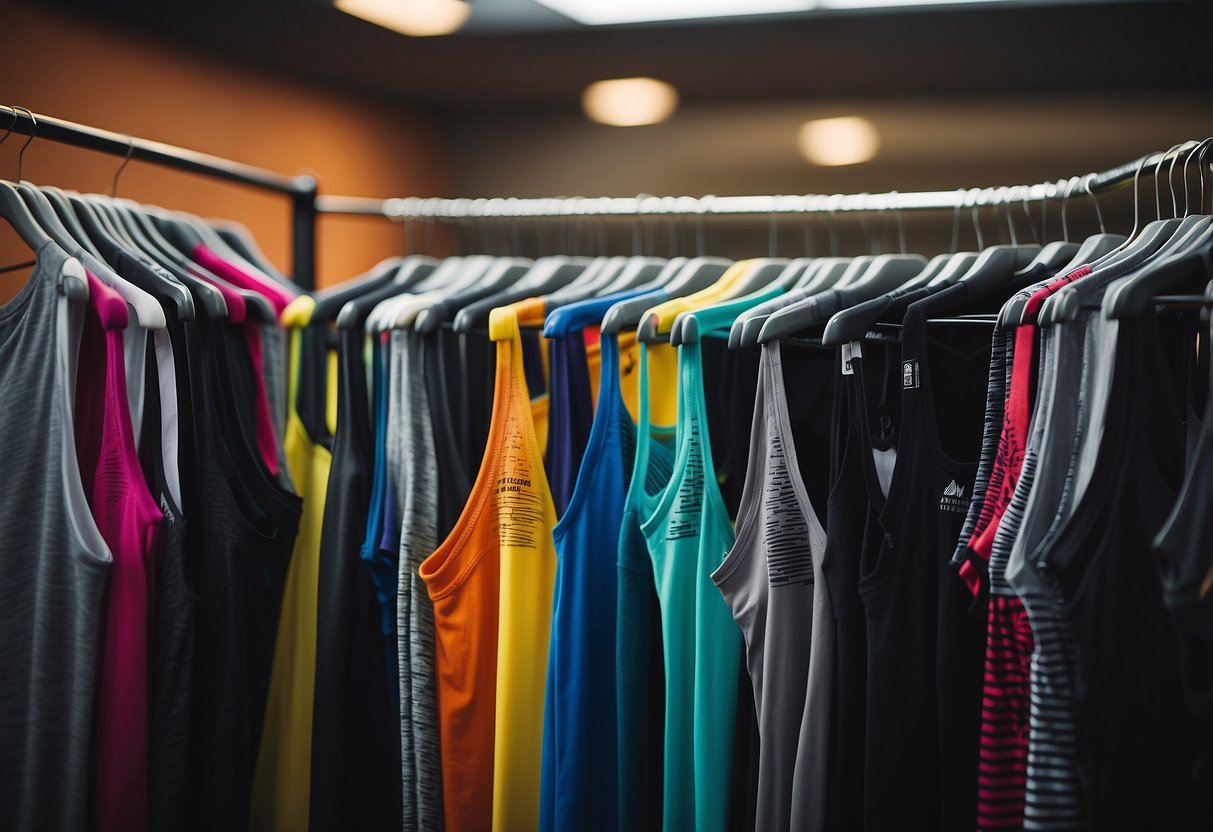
497, 543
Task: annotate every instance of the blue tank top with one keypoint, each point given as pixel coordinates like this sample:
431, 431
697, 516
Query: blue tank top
571, 411
579, 782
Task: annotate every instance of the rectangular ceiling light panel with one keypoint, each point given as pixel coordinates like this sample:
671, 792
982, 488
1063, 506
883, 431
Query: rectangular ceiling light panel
606, 12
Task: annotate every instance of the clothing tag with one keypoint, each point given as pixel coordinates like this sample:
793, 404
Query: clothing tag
850, 350
909, 375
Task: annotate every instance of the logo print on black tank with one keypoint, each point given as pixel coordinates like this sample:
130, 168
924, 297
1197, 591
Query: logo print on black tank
789, 558
953, 499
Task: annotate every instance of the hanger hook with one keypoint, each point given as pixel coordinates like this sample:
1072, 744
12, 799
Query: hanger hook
959, 200
130, 148
806, 209
772, 235
1005, 195
32, 133
1044, 206
1171, 180
1157, 174
1198, 146
11, 125
901, 225
1141, 164
1200, 164
1098, 210
1065, 207
830, 209
976, 192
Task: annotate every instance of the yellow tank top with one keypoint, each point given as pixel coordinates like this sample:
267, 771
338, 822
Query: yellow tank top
529, 313
526, 516
282, 780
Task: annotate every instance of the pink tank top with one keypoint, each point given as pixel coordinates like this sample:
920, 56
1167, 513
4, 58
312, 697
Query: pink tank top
131, 525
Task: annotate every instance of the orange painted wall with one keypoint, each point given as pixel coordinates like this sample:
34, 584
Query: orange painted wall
75, 69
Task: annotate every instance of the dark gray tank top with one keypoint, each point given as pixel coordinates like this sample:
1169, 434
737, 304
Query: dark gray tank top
769, 583
53, 560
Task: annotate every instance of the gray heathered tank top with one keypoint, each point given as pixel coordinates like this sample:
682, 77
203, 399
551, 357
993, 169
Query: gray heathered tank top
53, 560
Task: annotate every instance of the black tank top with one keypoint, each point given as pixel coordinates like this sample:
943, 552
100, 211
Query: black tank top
925, 639
1137, 760
172, 648
355, 781
1185, 550
846, 518
242, 532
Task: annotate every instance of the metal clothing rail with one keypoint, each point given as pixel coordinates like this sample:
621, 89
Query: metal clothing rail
419, 208
300, 189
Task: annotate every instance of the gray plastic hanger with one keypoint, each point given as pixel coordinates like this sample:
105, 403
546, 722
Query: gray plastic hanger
148, 313
167, 234
823, 274
501, 273
413, 272
696, 274
1148, 270
763, 271
832, 273
96, 217
73, 283
1151, 237
686, 326
239, 239
69, 219
544, 277
151, 278
1054, 254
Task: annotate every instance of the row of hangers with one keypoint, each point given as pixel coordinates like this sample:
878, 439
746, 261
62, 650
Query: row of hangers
839, 299
163, 242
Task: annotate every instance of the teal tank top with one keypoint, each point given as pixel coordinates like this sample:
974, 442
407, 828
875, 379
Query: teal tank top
688, 536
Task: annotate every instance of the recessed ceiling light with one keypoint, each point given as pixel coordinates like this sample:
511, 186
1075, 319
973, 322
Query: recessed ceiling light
877, 4
847, 140
629, 102
417, 18
605, 12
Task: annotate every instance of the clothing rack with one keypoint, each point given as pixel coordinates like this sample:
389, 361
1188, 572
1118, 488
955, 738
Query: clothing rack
306, 205
456, 210
301, 189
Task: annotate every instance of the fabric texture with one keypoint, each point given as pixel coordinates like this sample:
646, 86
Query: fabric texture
688, 535
54, 560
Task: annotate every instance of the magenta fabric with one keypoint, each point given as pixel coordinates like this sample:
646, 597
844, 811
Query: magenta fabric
131, 525
237, 276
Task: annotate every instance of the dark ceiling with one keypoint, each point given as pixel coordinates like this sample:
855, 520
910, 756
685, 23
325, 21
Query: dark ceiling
959, 51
